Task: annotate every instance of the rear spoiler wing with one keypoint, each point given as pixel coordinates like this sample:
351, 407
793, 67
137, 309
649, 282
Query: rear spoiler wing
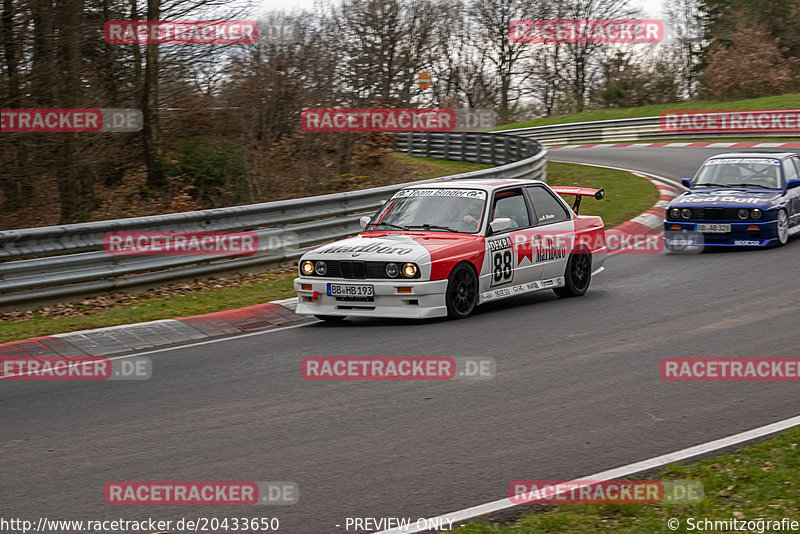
579, 192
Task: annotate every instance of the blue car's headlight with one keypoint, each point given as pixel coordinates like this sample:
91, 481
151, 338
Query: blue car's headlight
756, 213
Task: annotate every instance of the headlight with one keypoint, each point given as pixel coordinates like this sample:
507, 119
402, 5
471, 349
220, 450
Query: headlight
743, 213
409, 270
321, 268
686, 213
307, 268
675, 213
392, 270
756, 213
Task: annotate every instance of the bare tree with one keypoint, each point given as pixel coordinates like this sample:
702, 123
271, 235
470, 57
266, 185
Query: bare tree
386, 44
686, 19
511, 71
151, 133
582, 57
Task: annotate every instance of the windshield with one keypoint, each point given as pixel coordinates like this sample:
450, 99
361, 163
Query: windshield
740, 172
440, 210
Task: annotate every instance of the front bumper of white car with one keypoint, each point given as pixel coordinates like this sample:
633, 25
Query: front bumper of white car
418, 299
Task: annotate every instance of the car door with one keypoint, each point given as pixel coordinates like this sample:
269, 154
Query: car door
554, 230
792, 172
510, 252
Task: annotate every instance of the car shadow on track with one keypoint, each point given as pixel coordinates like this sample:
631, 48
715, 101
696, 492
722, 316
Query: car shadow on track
485, 310
727, 250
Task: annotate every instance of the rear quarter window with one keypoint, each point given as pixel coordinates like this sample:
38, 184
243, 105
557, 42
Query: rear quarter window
547, 208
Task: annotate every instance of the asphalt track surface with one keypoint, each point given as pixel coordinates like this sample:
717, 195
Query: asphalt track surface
577, 391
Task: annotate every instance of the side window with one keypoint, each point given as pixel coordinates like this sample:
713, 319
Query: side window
547, 208
789, 169
796, 161
511, 204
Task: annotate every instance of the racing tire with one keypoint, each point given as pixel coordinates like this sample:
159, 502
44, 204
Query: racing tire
577, 275
331, 318
782, 228
461, 295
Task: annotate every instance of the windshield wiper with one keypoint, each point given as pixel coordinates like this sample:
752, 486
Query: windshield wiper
433, 227
712, 185
374, 225
753, 185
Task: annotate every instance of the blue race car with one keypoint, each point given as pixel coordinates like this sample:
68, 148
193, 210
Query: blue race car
737, 200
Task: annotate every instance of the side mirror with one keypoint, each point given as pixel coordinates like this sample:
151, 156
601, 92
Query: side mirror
364, 221
687, 182
791, 184
500, 224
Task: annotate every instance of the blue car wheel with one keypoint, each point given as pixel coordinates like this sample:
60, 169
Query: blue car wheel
783, 228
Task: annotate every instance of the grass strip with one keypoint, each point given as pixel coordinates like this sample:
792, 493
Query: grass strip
757, 482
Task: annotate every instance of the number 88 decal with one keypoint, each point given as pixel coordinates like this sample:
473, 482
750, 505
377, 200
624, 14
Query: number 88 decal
502, 267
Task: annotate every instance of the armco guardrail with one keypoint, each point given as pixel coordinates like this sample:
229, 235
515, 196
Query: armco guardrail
619, 131
61, 262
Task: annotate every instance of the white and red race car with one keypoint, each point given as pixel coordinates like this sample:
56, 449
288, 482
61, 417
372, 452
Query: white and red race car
440, 249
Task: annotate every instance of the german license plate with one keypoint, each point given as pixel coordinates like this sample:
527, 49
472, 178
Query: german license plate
351, 291
714, 228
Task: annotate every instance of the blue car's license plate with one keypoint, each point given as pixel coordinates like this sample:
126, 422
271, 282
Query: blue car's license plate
713, 228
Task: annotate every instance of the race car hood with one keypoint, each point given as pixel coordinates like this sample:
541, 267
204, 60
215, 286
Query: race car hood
726, 197
415, 247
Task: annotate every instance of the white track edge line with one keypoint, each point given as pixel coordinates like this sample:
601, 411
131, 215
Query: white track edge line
187, 346
618, 472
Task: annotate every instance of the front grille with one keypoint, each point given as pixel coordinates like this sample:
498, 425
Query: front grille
715, 214
359, 270
710, 214
353, 269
